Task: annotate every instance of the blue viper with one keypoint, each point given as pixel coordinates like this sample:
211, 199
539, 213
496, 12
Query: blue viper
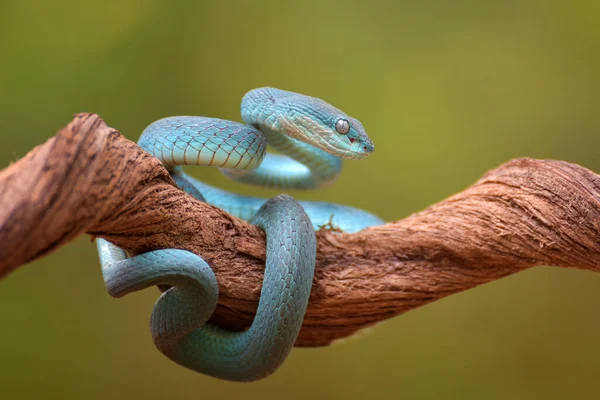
312, 137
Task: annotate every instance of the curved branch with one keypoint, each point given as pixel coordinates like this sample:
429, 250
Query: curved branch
90, 179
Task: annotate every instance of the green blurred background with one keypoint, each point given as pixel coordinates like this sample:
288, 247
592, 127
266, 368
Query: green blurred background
446, 90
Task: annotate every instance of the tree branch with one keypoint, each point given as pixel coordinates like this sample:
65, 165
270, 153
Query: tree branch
90, 179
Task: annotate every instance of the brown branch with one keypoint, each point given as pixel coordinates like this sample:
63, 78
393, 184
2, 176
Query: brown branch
89, 178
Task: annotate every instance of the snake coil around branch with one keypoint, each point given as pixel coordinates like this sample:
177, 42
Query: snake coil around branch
90, 179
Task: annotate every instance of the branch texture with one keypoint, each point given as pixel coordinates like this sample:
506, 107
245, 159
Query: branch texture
90, 179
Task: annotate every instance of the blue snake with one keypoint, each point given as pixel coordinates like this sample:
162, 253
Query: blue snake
312, 137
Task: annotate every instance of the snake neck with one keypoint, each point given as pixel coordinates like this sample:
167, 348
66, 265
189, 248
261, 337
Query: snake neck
324, 167
299, 166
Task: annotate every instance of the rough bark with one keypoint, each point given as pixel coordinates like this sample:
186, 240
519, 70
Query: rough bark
90, 179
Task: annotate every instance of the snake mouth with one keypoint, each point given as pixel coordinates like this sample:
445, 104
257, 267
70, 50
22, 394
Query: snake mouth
360, 149
353, 150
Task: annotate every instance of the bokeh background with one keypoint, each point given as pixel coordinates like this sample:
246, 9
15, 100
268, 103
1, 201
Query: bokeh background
447, 91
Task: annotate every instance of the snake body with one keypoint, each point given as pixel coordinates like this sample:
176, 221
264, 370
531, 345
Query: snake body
312, 137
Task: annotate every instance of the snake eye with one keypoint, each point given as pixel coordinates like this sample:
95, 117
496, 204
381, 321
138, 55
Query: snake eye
342, 126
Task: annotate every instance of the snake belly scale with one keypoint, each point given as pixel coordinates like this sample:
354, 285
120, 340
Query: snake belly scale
312, 137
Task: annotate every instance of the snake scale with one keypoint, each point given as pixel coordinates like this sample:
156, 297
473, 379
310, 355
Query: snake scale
311, 137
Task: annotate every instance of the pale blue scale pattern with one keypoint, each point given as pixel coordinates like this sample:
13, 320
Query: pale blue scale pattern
312, 136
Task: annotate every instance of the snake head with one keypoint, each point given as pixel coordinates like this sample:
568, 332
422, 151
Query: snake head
307, 119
